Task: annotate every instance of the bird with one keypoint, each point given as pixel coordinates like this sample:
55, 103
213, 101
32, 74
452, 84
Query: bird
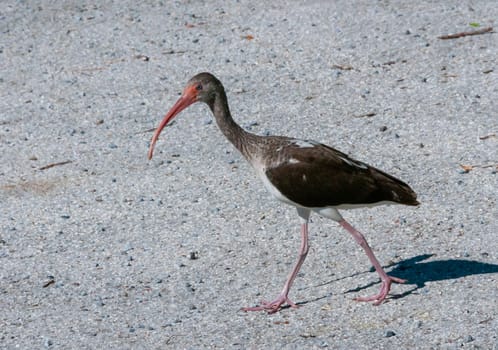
306, 174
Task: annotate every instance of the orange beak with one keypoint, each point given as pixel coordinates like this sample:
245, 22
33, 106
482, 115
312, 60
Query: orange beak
188, 97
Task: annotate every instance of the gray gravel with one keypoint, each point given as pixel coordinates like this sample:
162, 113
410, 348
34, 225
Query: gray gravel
110, 250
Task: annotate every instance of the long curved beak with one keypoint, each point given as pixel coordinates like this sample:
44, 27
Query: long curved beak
188, 97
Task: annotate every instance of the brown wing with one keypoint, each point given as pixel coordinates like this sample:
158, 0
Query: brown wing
321, 176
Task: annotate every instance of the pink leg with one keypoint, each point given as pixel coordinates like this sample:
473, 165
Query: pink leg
385, 278
275, 305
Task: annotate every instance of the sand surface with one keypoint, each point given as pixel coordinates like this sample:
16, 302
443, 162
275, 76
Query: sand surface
102, 249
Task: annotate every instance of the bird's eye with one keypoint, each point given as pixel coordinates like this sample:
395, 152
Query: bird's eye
198, 87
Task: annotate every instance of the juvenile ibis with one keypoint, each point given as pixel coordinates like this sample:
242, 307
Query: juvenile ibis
309, 175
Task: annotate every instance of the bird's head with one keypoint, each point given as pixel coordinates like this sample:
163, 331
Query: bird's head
201, 88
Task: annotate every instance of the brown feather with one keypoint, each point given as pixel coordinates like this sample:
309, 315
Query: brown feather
321, 176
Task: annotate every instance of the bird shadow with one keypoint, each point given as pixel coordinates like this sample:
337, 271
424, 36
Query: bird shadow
416, 271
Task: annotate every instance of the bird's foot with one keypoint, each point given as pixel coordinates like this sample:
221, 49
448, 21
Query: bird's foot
384, 290
272, 306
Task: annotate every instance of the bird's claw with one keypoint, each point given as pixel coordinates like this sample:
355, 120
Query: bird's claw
272, 306
384, 290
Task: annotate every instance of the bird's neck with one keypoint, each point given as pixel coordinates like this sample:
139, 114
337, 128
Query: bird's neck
243, 140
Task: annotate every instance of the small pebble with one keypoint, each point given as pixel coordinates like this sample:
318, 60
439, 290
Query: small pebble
190, 287
389, 334
417, 324
468, 339
321, 343
50, 281
127, 247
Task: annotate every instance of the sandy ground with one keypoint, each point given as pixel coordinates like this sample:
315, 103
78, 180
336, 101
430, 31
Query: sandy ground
100, 248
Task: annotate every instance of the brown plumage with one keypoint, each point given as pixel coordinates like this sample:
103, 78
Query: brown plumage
311, 176
347, 181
